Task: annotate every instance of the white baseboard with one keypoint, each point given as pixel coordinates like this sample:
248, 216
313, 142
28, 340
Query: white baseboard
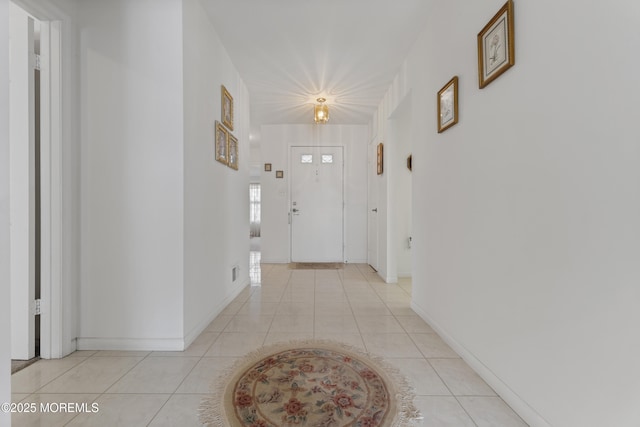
196, 331
389, 279
522, 408
160, 344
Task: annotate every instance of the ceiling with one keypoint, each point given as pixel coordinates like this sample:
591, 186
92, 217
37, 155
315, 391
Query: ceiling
290, 52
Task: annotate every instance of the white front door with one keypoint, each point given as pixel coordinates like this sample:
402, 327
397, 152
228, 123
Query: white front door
317, 204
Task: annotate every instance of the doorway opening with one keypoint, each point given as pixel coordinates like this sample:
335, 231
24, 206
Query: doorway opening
38, 186
255, 203
36, 183
25, 186
254, 210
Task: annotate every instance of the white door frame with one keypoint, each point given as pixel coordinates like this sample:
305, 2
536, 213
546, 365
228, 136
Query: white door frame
52, 325
22, 184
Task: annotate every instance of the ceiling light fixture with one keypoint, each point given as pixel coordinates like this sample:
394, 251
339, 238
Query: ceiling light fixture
321, 111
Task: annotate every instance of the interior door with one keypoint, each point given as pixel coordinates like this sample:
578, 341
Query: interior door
317, 204
372, 197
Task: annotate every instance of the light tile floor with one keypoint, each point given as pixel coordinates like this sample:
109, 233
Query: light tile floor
352, 305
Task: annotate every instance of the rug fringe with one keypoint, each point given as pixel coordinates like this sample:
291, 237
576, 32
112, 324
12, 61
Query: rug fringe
212, 412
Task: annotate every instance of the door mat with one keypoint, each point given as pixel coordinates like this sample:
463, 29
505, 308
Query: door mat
316, 266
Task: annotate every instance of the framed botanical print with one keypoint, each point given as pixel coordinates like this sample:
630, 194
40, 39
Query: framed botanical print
267, 167
379, 159
227, 108
222, 141
448, 105
279, 174
496, 48
233, 152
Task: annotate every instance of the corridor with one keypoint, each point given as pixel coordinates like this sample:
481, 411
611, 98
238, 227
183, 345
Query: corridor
351, 305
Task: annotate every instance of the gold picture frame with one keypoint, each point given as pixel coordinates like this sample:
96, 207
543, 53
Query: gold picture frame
267, 167
232, 151
222, 143
496, 46
279, 174
227, 108
448, 105
380, 158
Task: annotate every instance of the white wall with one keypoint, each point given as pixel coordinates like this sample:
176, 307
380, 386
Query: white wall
526, 232
354, 139
216, 197
400, 143
384, 187
276, 141
163, 223
256, 165
5, 297
131, 57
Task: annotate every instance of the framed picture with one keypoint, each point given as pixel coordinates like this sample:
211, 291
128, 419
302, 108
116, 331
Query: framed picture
227, 108
380, 155
267, 167
496, 48
222, 137
448, 105
279, 174
232, 152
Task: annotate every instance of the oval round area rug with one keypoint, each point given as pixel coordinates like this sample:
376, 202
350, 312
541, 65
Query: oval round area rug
310, 384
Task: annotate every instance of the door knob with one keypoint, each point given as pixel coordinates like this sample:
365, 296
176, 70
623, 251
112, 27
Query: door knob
374, 210
294, 210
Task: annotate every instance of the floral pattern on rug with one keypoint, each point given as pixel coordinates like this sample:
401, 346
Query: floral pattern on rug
311, 387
